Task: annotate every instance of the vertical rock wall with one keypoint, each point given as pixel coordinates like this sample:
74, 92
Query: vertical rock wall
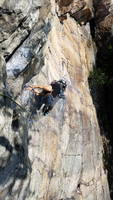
58, 156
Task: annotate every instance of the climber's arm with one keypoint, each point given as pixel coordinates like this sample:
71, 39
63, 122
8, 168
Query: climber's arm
47, 88
44, 87
33, 89
36, 86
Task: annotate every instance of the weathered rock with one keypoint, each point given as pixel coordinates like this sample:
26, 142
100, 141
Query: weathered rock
22, 57
58, 156
70, 6
83, 16
103, 21
81, 10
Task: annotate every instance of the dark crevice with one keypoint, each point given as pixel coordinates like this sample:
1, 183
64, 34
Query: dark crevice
20, 25
8, 57
82, 16
6, 11
5, 143
15, 121
92, 27
27, 68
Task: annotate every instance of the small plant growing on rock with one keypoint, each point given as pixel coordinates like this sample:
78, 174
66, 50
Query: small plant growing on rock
98, 77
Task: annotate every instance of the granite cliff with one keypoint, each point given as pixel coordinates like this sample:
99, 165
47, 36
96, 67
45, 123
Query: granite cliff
58, 156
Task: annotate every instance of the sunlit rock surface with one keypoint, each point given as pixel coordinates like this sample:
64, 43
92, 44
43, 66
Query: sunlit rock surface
58, 156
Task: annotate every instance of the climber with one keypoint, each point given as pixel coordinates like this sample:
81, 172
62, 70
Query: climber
50, 94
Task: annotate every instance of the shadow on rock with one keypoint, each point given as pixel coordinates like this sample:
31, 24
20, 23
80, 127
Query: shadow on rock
17, 165
42, 103
5, 143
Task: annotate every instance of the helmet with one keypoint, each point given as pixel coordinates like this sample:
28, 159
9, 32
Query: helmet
63, 82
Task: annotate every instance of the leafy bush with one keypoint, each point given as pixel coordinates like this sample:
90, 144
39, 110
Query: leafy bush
98, 77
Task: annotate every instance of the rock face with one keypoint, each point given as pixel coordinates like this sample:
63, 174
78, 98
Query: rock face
58, 156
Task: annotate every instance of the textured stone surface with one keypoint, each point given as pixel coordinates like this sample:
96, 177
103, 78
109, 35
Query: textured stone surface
104, 21
58, 156
81, 10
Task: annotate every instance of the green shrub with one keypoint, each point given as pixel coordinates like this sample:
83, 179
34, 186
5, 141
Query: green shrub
98, 77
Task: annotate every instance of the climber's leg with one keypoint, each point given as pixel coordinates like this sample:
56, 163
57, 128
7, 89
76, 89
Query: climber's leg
48, 101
